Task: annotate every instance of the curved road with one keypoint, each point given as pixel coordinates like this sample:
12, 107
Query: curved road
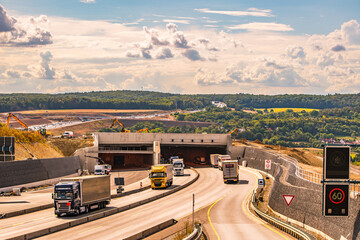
229, 217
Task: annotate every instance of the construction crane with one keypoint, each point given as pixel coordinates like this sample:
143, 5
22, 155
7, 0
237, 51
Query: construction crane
143, 130
17, 119
122, 125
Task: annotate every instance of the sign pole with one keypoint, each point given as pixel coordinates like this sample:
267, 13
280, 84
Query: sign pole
193, 210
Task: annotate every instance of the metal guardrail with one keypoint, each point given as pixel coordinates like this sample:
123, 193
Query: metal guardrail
196, 234
293, 231
312, 176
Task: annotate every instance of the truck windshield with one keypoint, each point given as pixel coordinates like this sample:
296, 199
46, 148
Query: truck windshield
229, 165
157, 174
178, 165
63, 195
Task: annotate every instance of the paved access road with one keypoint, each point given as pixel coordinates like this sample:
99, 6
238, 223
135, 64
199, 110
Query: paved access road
229, 217
27, 223
41, 197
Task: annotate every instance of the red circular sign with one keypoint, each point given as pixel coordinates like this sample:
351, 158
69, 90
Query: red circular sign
337, 196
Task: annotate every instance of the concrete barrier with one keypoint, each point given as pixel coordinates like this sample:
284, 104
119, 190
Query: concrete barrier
59, 227
152, 230
18, 173
106, 213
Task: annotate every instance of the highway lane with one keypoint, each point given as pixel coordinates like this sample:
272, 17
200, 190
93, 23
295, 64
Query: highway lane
230, 216
207, 189
41, 197
44, 219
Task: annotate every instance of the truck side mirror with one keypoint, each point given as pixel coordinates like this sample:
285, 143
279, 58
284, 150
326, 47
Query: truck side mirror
52, 196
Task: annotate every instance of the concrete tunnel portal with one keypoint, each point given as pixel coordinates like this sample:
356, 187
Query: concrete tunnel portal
140, 150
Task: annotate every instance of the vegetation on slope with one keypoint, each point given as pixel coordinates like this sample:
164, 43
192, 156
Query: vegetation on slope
21, 136
155, 100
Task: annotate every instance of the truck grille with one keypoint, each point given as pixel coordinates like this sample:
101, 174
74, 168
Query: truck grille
62, 207
157, 184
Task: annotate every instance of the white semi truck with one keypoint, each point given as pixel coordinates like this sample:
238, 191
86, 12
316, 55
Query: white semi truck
179, 166
221, 159
73, 196
214, 160
230, 171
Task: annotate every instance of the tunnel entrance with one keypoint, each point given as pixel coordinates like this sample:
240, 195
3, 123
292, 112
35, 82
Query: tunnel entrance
191, 154
127, 160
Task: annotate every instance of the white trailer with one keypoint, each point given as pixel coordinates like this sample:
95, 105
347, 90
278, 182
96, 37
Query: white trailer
230, 171
222, 158
214, 160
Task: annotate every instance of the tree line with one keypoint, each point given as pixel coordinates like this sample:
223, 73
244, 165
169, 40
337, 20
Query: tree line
125, 99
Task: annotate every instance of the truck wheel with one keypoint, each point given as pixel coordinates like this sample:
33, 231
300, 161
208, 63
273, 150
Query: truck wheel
58, 214
77, 212
86, 209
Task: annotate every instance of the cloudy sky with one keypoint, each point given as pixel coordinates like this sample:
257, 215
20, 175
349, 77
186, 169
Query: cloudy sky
205, 46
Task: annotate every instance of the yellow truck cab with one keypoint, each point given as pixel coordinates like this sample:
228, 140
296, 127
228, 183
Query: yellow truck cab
161, 176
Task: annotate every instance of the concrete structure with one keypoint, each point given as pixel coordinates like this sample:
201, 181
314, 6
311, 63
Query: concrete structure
22, 172
134, 150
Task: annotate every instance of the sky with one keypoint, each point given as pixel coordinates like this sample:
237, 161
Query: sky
187, 47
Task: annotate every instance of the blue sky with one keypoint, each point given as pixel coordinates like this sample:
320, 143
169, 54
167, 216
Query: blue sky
180, 46
306, 17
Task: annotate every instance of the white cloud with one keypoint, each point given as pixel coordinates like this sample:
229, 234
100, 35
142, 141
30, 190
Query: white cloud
164, 53
30, 32
262, 26
351, 32
251, 12
87, 1
295, 52
193, 55
176, 21
46, 71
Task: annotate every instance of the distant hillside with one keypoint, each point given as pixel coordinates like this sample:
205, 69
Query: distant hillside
165, 101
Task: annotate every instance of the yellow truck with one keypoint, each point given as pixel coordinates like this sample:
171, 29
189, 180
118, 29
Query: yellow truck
161, 176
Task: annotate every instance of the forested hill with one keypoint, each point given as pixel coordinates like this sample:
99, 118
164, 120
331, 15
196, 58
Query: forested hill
155, 100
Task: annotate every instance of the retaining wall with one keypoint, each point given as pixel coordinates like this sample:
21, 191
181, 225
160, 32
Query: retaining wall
28, 171
307, 204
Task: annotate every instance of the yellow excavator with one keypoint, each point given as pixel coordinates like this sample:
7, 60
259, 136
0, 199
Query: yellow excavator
42, 131
235, 131
143, 130
122, 125
17, 119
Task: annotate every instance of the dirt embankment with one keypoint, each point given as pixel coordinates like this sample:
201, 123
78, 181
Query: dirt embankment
67, 146
24, 151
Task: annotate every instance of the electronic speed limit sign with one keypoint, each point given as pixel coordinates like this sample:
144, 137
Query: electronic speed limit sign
336, 199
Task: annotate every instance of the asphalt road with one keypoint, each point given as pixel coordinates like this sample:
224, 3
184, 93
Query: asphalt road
229, 217
27, 223
43, 196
